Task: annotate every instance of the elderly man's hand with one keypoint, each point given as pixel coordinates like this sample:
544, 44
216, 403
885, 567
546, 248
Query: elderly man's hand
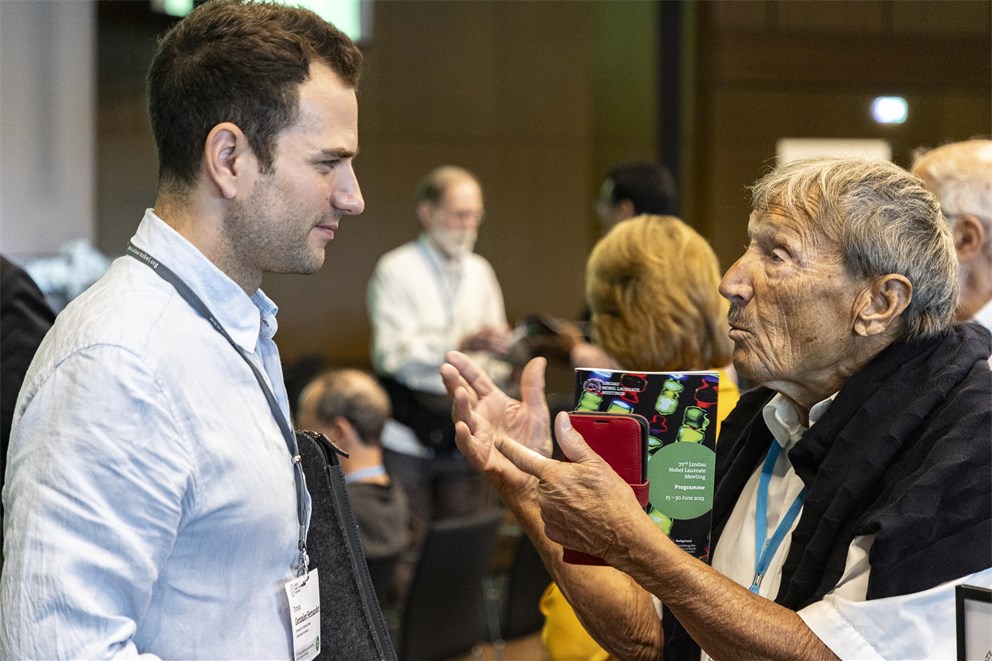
585, 505
484, 415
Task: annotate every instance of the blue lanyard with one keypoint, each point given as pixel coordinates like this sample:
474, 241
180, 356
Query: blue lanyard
764, 548
446, 293
197, 304
364, 474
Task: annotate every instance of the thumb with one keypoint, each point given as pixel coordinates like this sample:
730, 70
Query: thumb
571, 442
532, 384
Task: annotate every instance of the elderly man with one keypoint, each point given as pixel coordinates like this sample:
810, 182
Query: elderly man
427, 297
960, 175
852, 486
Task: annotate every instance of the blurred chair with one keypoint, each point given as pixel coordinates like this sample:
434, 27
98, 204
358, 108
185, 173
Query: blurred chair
528, 577
445, 610
383, 571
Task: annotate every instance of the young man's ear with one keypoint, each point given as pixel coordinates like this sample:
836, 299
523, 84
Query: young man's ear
228, 159
881, 304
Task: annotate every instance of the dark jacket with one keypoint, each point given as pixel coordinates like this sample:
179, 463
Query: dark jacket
903, 453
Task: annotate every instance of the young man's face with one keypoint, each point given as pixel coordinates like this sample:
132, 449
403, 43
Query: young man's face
293, 211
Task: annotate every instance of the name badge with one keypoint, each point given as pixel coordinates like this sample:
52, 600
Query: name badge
304, 615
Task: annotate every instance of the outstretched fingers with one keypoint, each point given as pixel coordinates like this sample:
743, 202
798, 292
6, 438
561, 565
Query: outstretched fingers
462, 404
466, 373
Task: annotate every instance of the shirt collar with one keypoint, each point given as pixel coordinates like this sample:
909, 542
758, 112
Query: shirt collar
783, 419
243, 317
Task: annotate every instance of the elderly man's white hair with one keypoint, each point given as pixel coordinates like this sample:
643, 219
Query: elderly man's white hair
960, 175
883, 220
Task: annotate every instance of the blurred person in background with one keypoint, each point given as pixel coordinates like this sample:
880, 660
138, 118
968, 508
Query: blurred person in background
427, 297
960, 175
629, 189
25, 317
350, 408
635, 188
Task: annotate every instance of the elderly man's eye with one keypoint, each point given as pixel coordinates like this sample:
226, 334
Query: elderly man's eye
778, 255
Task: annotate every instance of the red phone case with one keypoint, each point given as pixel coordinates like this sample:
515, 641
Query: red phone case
621, 439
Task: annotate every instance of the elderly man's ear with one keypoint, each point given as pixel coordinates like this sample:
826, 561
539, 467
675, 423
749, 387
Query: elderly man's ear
969, 237
879, 306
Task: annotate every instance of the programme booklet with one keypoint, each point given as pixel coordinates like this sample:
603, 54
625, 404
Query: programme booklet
681, 410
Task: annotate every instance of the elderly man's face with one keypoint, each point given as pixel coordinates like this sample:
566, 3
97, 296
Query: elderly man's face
791, 307
453, 224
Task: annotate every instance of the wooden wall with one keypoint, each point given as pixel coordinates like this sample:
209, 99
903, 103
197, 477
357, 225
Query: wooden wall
810, 69
540, 98
537, 98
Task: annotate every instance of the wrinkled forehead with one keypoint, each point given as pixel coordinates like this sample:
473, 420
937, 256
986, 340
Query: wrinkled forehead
792, 227
780, 220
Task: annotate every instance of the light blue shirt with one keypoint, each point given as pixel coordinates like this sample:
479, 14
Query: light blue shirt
150, 498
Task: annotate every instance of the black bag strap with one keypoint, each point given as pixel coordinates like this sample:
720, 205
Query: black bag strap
351, 621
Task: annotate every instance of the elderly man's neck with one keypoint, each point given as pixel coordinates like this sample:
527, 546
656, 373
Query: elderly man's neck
819, 384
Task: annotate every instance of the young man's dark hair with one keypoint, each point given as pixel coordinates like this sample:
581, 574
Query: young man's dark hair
196, 82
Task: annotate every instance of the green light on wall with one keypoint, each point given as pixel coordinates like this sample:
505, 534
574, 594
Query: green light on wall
345, 14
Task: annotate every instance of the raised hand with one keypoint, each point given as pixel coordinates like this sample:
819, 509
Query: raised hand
487, 413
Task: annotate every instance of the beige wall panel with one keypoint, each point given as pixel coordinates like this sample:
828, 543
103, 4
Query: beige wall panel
431, 69
741, 14
744, 125
543, 73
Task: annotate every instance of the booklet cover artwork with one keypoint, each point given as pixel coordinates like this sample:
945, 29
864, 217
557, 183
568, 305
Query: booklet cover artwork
681, 409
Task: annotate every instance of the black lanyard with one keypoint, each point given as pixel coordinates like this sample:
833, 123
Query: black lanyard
197, 304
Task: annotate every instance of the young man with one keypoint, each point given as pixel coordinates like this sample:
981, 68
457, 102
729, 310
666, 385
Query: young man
153, 504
